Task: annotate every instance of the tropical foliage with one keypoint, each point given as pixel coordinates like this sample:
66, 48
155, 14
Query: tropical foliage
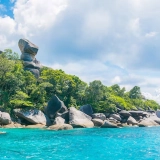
19, 89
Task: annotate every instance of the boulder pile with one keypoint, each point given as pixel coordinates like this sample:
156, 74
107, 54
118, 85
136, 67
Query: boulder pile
29, 51
57, 116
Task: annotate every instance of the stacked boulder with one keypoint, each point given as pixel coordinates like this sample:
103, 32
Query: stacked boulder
29, 51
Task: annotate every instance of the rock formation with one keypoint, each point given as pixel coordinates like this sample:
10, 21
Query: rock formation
79, 119
99, 116
5, 118
56, 108
29, 51
33, 116
108, 124
87, 109
97, 122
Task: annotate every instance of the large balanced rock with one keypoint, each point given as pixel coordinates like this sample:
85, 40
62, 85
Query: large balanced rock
33, 116
99, 116
79, 119
131, 121
55, 105
87, 109
108, 124
29, 50
147, 122
97, 122
5, 118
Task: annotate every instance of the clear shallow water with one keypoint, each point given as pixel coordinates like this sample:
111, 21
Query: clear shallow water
81, 144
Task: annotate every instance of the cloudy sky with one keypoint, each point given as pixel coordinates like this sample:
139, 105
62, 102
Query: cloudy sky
115, 41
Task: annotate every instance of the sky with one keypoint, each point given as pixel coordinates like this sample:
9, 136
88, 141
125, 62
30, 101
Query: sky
115, 41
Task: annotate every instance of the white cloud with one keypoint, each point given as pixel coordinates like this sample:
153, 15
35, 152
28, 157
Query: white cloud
151, 34
152, 96
12, 1
116, 80
107, 40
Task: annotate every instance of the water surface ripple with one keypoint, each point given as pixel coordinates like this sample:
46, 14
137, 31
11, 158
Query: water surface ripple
81, 144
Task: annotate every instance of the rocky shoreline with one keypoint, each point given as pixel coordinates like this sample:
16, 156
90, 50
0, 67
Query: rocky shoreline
56, 116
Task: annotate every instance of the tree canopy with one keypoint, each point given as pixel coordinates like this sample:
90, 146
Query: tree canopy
19, 89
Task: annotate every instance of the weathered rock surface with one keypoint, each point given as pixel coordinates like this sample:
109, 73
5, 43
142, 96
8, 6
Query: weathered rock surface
112, 120
97, 122
60, 127
108, 124
29, 50
131, 121
87, 109
55, 105
59, 120
27, 47
124, 113
147, 122
33, 116
158, 114
99, 116
64, 115
31, 64
79, 119
136, 113
116, 116
5, 118
155, 118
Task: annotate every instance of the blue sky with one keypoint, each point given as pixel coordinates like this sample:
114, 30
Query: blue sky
113, 41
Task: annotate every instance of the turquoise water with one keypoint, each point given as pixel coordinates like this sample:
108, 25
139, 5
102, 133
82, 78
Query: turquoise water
81, 144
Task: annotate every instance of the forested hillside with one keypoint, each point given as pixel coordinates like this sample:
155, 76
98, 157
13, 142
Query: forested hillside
19, 89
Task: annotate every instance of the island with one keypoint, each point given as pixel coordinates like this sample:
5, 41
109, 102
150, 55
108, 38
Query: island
36, 96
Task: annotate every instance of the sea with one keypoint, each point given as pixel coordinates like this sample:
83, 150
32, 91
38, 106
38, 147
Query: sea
81, 144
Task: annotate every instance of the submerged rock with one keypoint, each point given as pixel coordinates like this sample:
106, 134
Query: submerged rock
33, 116
5, 118
79, 119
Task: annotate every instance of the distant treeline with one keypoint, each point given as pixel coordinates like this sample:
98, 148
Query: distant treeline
19, 89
